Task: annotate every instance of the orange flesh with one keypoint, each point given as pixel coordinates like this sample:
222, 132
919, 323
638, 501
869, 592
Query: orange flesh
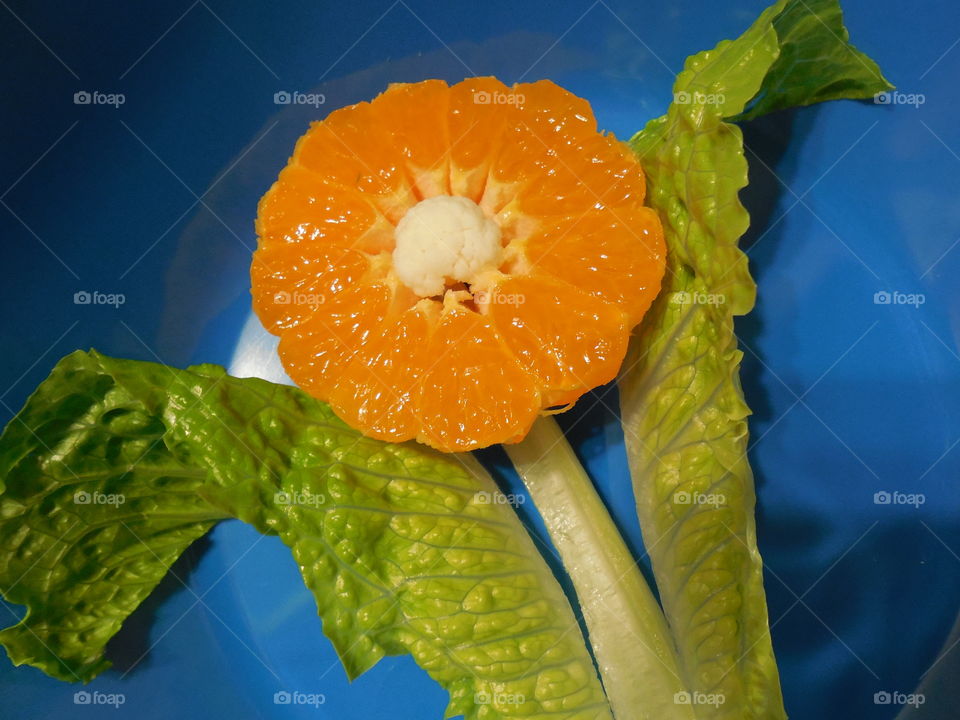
582, 261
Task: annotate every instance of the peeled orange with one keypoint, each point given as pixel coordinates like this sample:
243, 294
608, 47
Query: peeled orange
446, 262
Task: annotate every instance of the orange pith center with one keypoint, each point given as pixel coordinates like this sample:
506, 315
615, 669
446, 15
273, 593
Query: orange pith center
472, 355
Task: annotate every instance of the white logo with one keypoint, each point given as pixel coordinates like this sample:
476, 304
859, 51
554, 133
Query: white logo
485, 97
898, 98
883, 297
298, 298
484, 497
299, 498
698, 698
699, 98
484, 298
82, 497
85, 697
683, 497
899, 498
898, 698
498, 698
682, 297
95, 97
298, 98
83, 297
283, 697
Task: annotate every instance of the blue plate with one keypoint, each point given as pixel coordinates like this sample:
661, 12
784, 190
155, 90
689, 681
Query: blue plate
852, 364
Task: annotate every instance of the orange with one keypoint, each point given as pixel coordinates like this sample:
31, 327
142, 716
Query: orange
459, 322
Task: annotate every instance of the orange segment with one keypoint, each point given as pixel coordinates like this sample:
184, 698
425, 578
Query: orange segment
618, 257
473, 393
316, 351
412, 118
342, 149
556, 115
546, 125
524, 156
378, 388
569, 340
599, 172
299, 207
478, 114
293, 279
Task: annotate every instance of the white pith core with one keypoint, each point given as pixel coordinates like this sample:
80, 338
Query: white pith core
444, 240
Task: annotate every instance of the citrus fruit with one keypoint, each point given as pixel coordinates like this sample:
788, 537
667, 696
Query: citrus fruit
447, 262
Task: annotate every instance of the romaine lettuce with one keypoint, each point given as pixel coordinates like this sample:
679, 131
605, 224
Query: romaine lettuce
683, 410
115, 466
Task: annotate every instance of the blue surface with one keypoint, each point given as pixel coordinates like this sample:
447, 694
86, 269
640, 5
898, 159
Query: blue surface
851, 398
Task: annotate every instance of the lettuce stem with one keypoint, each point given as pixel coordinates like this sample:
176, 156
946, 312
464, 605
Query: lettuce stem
631, 643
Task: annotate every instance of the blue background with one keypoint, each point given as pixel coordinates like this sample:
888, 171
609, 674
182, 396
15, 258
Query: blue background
156, 199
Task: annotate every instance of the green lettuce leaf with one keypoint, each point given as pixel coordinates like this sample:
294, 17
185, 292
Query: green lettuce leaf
816, 61
95, 509
406, 550
683, 410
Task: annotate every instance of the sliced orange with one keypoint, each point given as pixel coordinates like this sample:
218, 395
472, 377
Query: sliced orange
536, 232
